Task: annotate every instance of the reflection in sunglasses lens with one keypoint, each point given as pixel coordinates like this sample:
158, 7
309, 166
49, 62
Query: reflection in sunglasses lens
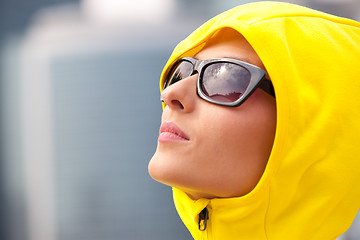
182, 70
225, 82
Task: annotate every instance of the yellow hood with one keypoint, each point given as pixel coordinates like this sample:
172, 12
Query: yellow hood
310, 188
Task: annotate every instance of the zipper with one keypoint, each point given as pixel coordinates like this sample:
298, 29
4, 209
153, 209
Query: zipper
203, 218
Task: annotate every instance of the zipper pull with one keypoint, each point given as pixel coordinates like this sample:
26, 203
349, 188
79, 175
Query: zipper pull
203, 217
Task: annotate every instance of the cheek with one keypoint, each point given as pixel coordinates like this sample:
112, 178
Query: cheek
230, 141
228, 152
236, 147
235, 130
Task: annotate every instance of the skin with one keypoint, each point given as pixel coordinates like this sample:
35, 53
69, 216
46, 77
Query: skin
228, 147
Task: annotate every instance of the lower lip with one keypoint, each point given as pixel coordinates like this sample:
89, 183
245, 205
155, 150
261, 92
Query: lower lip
171, 137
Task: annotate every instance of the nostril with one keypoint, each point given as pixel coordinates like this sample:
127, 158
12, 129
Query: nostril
177, 104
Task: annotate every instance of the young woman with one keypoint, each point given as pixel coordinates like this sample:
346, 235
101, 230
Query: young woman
243, 163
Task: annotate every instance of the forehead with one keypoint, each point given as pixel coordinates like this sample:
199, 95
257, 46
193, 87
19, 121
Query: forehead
229, 43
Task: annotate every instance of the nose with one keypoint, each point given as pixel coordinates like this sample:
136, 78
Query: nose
181, 96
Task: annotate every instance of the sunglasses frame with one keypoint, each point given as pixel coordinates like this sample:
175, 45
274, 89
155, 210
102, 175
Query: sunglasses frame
257, 79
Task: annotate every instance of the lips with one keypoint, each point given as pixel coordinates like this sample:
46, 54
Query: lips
171, 132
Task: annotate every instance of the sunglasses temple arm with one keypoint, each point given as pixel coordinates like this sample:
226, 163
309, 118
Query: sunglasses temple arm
267, 86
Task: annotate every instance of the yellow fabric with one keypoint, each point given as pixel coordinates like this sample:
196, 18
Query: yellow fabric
310, 188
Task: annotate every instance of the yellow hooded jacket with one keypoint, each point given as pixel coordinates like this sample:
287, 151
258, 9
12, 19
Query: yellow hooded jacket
311, 186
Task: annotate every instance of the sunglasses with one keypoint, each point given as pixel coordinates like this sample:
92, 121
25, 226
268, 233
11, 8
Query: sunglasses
222, 81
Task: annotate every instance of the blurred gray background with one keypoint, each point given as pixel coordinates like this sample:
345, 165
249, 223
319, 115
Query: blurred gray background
80, 113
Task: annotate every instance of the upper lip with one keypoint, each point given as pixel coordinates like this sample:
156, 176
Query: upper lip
172, 128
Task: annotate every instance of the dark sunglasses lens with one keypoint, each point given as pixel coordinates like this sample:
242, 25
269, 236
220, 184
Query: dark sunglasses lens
180, 71
225, 82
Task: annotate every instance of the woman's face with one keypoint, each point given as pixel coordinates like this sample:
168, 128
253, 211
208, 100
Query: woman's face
224, 150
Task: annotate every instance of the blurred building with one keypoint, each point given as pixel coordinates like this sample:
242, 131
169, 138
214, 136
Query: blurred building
80, 113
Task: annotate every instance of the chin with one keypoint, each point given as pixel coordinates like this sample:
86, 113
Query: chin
162, 171
156, 170
170, 174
